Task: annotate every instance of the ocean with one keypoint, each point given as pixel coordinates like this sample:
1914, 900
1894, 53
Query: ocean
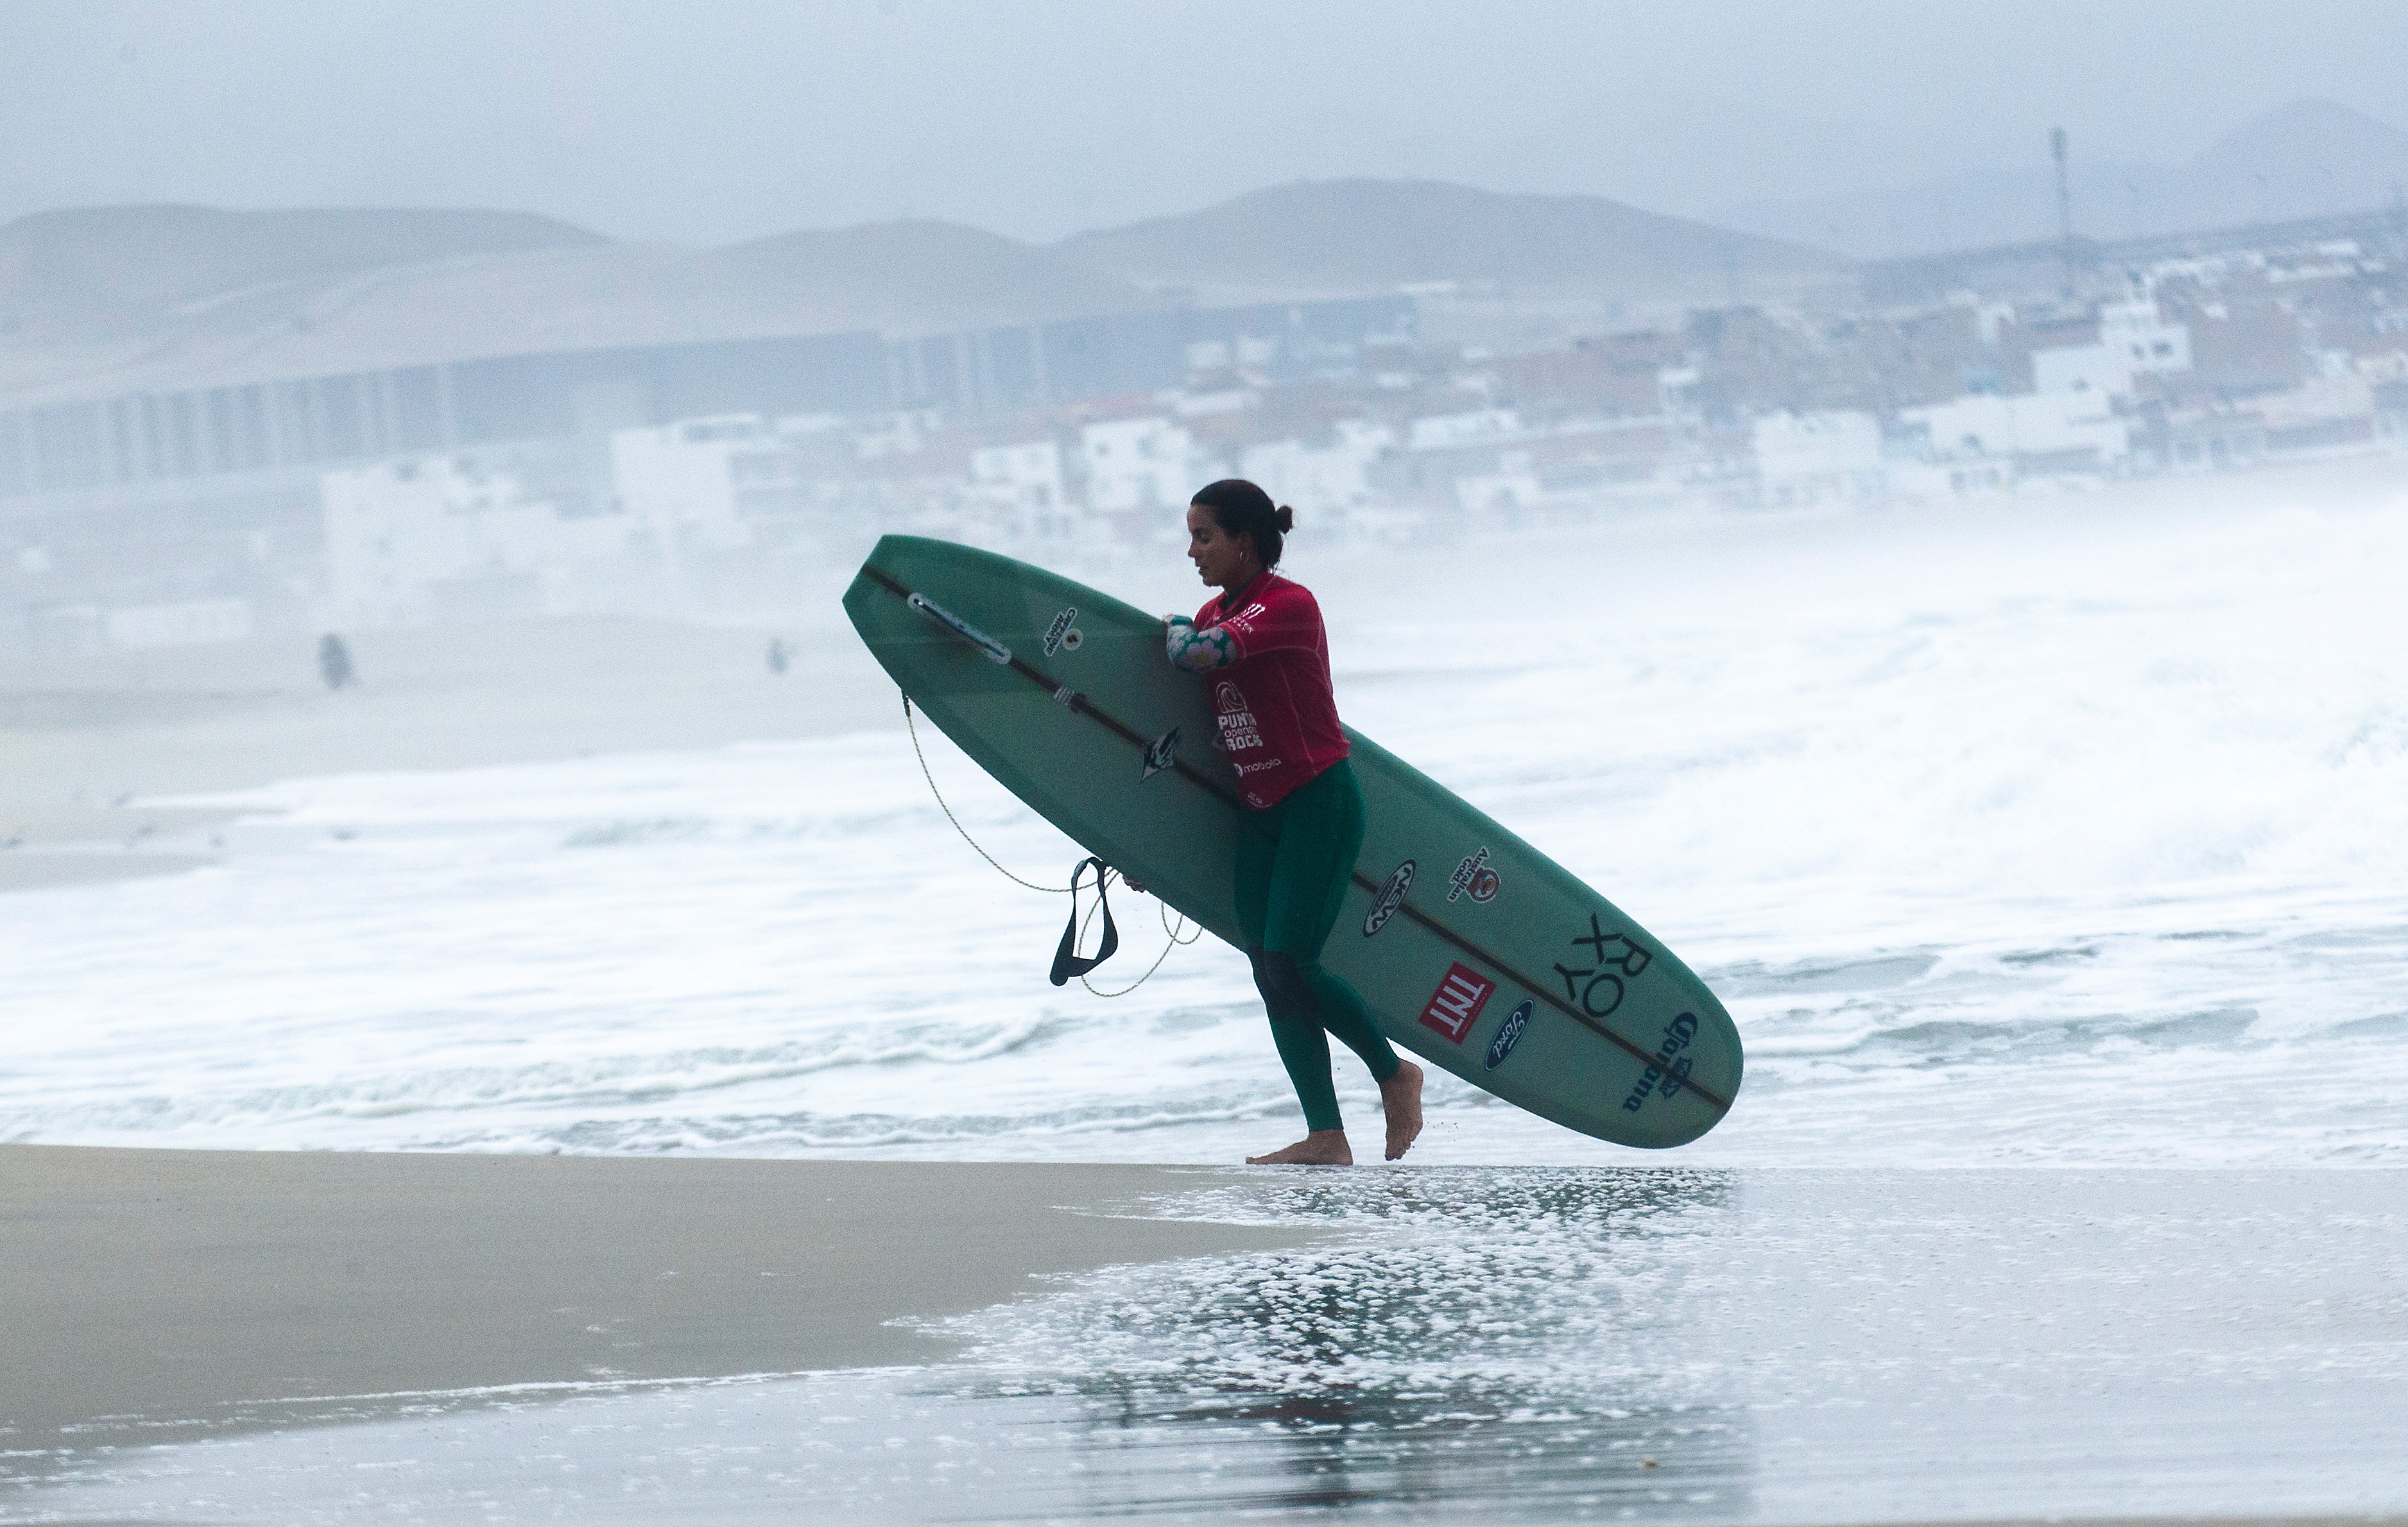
2030, 835
2053, 838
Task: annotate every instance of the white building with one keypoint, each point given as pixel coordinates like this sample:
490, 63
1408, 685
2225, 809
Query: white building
2134, 340
1138, 463
700, 483
1323, 483
1024, 484
1475, 427
2041, 424
1801, 458
414, 541
2139, 334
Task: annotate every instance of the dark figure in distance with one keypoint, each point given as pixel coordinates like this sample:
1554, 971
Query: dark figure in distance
335, 662
777, 654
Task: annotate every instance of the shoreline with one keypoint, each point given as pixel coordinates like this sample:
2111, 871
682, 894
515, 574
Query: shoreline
178, 1284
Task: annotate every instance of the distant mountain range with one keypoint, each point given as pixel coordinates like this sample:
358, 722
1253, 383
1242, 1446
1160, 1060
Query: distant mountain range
169, 296
145, 296
101, 270
1342, 237
2306, 159
138, 297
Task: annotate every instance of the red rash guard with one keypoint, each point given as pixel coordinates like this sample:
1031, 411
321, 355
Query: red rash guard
1279, 715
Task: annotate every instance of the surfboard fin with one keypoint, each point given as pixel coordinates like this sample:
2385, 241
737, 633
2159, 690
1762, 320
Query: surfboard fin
1067, 961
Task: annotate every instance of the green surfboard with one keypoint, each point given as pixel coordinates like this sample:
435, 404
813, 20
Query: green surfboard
1473, 949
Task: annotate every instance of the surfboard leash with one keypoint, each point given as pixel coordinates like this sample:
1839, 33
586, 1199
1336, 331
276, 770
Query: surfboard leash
913, 726
1162, 910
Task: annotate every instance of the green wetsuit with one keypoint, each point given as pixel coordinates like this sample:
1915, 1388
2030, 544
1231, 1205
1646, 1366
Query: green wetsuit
1294, 864
1295, 854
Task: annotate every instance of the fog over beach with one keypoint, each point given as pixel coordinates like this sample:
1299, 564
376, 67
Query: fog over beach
505, 1016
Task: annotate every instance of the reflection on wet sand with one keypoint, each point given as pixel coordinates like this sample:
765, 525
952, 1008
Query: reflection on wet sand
1494, 1345
1494, 1340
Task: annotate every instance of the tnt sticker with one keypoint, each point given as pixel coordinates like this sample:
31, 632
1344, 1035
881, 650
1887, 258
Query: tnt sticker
1457, 1002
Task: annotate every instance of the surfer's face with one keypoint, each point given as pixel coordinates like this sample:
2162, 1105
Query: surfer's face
1222, 561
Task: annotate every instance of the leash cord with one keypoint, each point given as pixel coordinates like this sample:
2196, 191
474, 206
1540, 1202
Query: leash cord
913, 728
1161, 908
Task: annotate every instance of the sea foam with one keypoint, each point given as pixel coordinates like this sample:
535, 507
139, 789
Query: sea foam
2056, 835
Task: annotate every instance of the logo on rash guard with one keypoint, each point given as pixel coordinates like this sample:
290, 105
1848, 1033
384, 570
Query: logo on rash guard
1237, 729
1457, 1002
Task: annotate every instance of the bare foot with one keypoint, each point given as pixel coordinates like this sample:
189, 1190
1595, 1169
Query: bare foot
1322, 1148
1401, 1096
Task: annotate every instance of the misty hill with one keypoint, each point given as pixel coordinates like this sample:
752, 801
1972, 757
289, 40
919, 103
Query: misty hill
115, 266
1345, 237
918, 275
306, 310
2305, 159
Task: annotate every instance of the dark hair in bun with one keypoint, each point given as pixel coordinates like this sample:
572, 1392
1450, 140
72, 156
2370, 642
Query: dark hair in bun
1241, 508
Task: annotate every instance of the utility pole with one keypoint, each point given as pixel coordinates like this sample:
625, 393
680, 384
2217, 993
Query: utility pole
2064, 205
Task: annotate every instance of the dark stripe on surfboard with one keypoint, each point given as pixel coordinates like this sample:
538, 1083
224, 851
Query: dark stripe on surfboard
1083, 705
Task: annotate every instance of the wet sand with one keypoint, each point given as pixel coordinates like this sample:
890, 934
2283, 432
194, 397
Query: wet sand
177, 1283
1775, 1346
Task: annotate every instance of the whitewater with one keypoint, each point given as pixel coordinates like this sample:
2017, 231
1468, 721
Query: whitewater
2061, 831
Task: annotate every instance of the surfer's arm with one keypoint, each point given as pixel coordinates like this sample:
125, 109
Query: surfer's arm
1197, 651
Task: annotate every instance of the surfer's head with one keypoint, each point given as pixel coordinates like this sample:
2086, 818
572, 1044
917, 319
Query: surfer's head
1233, 531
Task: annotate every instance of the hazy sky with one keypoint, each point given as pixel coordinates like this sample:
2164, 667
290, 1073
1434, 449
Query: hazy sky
704, 122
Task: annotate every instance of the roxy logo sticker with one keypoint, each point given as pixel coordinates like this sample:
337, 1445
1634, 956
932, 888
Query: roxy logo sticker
1473, 878
1509, 1033
1390, 897
1060, 635
1160, 754
1457, 1002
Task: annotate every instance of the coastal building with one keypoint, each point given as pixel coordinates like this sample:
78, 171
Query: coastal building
1325, 483
2072, 430
1135, 464
1022, 484
447, 536
1833, 455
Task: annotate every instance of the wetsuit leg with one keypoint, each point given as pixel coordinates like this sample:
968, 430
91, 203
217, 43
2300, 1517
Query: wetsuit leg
1312, 866
1296, 1025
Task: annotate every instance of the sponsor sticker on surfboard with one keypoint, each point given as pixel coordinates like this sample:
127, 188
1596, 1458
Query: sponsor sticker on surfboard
1455, 1005
1509, 1033
1391, 896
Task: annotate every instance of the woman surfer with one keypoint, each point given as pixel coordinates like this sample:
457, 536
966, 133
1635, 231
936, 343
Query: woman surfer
1262, 650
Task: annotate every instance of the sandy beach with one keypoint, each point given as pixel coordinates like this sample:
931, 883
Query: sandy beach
176, 1285
270, 1337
